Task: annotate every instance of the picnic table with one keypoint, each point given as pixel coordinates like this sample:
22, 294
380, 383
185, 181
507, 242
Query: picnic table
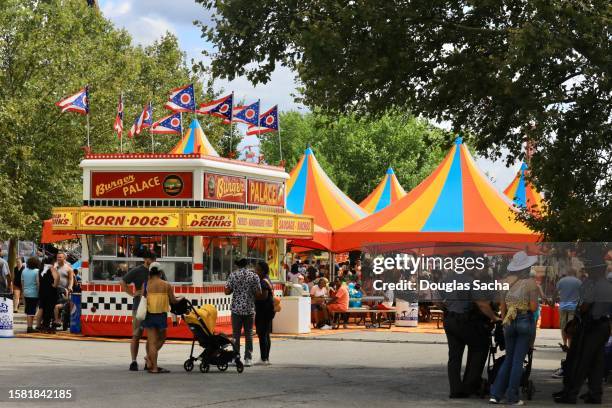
375, 316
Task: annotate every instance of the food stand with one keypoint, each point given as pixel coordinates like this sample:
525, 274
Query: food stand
197, 212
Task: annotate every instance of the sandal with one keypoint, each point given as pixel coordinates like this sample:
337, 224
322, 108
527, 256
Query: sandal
159, 371
564, 348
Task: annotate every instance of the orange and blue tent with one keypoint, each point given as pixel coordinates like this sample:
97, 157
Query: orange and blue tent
310, 191
456, 203
523, 193
388, 191
194, 141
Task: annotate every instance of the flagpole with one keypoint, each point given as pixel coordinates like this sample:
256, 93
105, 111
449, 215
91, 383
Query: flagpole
231, 124
87, 118
87, 113
121, 132
280, 147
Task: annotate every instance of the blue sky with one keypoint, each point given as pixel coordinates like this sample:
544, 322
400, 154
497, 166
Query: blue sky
147, 20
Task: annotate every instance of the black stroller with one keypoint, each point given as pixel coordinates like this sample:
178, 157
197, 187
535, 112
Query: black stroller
494, 364
218, 350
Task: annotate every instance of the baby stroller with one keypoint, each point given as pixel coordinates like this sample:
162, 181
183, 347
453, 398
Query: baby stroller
218, 350
494, 364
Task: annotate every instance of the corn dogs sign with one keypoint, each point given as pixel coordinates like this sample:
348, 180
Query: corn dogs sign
117, 220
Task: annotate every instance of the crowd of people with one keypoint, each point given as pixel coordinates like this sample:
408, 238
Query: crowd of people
43, 287
472, 316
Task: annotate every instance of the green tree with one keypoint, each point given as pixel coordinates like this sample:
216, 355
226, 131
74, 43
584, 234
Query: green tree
356, 152
49, 50
502, 70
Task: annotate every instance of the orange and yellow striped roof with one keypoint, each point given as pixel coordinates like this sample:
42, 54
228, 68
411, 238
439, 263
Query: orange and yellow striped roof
194, 141
523, 193
310, 191
455, 203
388, 191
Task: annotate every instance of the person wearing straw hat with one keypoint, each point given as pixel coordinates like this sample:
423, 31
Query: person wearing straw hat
518, 306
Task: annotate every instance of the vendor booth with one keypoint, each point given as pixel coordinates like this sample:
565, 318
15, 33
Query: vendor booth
388, 191
456, 203
523, 193
311, 192
197, 211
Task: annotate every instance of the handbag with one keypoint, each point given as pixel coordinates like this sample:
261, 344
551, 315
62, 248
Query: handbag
141, 312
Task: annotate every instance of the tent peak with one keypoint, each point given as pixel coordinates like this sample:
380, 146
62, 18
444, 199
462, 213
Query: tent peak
458, 140
308, 150
524, 166
390, 170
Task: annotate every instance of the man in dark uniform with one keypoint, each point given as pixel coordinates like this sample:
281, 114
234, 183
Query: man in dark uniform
585, 359
467, 322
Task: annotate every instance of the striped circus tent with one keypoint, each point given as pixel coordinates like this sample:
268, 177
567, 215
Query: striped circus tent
523, 193
194, 141
310, 191
456, 203
388, 191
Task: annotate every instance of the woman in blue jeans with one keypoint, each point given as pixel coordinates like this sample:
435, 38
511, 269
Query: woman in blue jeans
517, 307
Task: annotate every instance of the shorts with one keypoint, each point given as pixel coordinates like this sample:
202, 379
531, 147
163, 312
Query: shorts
156, 321
335, 307
316, 307
565, 316
31, 306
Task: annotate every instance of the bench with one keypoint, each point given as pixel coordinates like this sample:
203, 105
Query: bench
375, 317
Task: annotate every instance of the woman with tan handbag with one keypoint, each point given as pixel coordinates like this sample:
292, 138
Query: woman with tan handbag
159, 295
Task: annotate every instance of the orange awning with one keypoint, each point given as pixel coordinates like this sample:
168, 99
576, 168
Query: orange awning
49, 237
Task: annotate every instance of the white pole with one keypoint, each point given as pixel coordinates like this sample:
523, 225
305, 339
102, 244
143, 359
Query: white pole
87, 115
231, 124
280, 147
121, 134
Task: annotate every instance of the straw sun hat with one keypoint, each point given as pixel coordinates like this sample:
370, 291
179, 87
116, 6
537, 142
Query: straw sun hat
521, 261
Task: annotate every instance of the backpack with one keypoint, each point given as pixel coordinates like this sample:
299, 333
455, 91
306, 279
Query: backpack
276, 301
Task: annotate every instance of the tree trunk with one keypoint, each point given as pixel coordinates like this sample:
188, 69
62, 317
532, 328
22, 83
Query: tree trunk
12, 253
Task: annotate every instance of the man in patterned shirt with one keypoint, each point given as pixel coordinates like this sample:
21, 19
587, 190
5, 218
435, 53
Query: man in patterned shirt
243, 284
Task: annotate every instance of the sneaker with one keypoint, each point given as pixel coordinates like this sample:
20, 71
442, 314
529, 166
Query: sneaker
134, 366
494, 400
31, 330
558, 373
248, 362
518, 403
267, 362
326, 327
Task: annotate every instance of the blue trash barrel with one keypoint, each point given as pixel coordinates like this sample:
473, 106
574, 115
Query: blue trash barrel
75, 313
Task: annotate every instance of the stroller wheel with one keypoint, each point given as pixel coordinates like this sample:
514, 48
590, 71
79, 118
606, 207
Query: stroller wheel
239, 366
222, 367
204, 367
188, 366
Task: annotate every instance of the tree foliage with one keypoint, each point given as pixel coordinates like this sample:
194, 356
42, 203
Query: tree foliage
356, 152
49, 50
502, 70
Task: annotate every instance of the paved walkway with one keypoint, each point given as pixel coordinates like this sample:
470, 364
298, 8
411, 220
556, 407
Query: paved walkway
352, 367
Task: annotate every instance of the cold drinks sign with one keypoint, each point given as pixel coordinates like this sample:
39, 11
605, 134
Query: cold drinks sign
141, 184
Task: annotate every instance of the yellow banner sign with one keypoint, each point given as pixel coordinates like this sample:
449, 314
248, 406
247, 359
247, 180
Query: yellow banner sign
63, 219
253, 222
209, 221
130, 219
190, 221
290, 225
